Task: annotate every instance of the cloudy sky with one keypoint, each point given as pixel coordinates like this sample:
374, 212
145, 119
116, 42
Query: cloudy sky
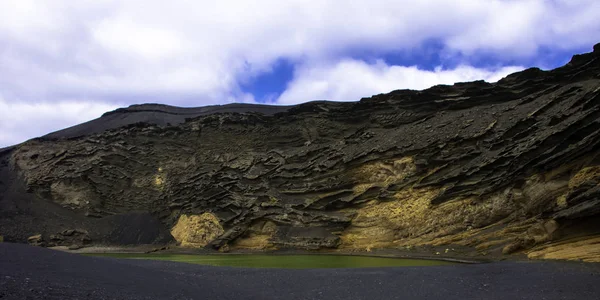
63, 62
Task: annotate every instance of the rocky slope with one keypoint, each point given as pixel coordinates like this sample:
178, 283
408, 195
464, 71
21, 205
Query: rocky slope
508, 167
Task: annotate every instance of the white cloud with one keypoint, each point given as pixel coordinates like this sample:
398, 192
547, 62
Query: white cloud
123, 35
204, 48
193, 53
19, 121
354, 79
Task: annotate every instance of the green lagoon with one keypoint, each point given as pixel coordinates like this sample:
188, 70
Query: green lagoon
284, 261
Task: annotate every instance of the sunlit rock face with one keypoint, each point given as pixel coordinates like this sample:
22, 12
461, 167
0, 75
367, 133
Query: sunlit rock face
509, 167
196, 231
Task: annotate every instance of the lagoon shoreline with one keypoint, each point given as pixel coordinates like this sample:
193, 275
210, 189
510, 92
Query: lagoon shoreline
462, 255
36, 273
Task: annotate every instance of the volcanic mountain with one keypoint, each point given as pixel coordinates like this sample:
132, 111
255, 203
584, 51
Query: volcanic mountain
506, 167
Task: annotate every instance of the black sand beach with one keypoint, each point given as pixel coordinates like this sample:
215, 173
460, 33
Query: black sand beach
36, 273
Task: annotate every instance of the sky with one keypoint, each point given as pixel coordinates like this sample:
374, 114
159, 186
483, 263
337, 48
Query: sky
64, 62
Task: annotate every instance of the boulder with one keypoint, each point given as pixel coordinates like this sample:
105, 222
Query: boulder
36, 240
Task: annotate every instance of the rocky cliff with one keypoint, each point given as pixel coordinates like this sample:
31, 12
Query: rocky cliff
506, 167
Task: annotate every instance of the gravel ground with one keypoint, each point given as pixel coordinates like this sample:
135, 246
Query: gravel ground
36, 273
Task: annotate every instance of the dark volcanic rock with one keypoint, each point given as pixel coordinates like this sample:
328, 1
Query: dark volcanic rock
156, 114
484, 165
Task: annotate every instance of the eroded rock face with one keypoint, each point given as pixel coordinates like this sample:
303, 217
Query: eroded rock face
510, 166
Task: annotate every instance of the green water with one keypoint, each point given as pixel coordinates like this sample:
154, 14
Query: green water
284, 261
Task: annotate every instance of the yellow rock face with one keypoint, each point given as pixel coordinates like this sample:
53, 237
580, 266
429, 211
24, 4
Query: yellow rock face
586, 249
384, 224
196, 231
507, 217
384, 173
411, 220
585, 175
159, 180
375, 225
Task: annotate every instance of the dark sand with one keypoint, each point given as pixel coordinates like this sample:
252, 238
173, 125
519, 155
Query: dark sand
36, 273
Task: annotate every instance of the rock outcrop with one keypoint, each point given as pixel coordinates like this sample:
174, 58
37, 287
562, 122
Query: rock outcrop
506, 167
196, 231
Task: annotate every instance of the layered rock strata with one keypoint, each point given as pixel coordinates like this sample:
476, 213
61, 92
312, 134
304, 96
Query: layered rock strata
509, 167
